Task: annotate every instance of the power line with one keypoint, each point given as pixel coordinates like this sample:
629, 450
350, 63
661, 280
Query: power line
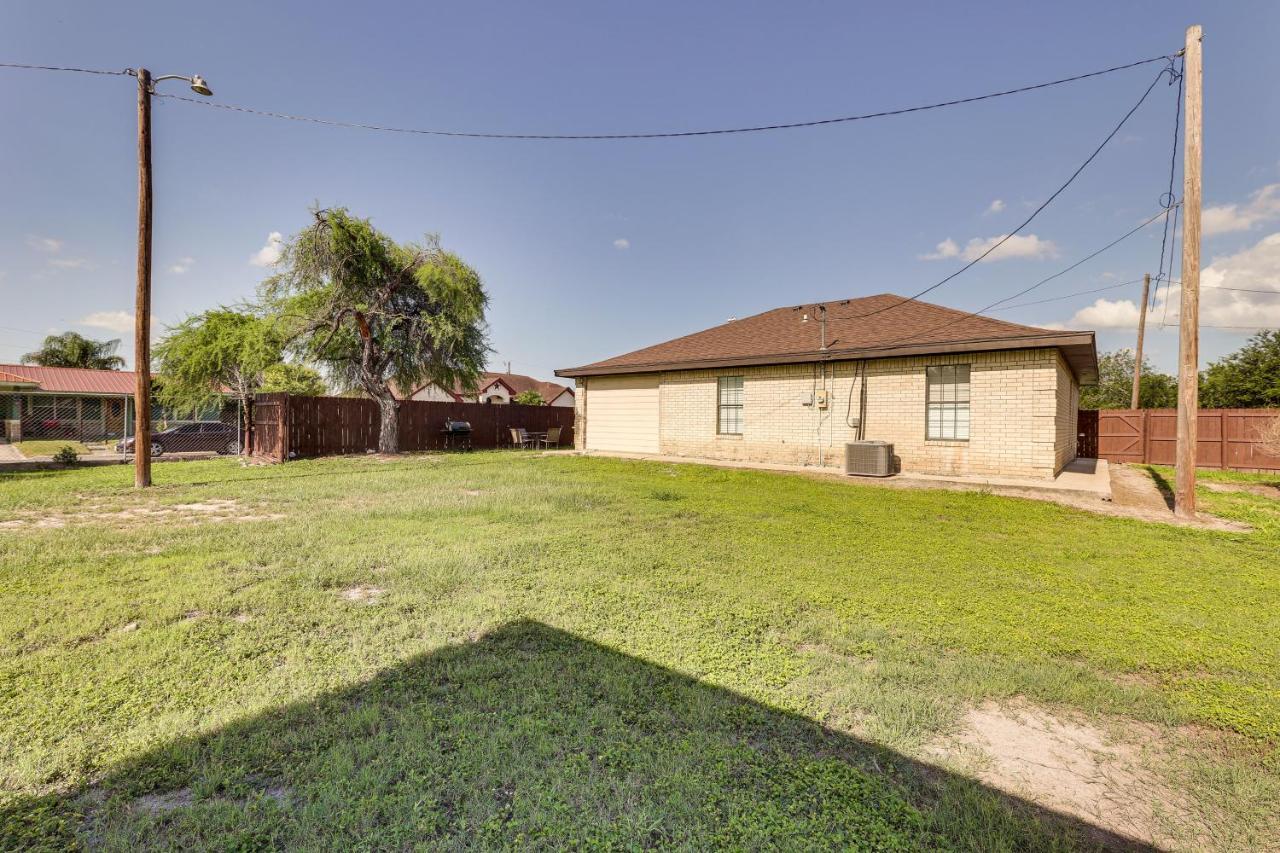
123, 73
1069, 295
1134, 281
1174, 325
1164, 314
1022, 292
1038, 210
664, 134
1169, 197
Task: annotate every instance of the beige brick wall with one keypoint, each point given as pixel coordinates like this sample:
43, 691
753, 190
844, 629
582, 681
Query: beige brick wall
1068, 404
1017, 419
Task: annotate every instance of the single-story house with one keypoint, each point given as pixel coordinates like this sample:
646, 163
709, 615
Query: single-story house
497, 388
74, 403
955, 393
65, 402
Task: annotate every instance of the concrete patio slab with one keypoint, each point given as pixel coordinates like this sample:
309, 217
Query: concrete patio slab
1087, 478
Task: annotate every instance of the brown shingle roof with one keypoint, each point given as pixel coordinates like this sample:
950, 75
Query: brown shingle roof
519, 383
853, 331
515, 381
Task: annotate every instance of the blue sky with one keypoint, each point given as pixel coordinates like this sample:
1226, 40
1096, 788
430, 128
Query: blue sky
589, 249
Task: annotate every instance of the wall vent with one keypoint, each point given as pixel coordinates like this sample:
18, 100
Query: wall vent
868, 458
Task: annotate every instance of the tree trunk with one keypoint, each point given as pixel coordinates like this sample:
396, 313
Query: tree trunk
389, 427
246, 419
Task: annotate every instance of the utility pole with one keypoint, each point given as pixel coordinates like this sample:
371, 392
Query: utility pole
1189, 318
142, 300
142, 306
1142, 330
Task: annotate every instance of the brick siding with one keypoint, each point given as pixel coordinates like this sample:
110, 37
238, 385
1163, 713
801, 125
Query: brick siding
1022, 413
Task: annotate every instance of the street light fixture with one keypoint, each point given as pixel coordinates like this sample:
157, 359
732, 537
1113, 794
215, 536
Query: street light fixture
142, 307
197, 83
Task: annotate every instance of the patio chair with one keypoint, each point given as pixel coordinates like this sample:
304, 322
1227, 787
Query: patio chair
519, 438
552, 438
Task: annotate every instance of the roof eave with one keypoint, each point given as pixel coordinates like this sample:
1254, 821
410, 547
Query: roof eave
1078, 349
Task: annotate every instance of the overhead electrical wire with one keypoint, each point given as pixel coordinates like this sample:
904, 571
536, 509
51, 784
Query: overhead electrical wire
1169, 196
1024, 291
122, 73
1005, 238
677, 134
1069, 295
1164, 315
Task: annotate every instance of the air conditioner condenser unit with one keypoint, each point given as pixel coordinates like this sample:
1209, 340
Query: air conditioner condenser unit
868, 458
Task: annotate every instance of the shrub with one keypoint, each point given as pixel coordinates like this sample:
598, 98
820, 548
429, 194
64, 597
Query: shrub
66, 455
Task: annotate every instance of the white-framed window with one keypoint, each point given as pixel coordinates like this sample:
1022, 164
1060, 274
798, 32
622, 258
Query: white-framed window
729, 405
947, 402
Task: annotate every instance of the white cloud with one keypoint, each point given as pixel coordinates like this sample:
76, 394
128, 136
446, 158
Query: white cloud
622, 243
996, 206
182, 265
1017, 246
1263, 205
946, 249
44, 244
1254, 269
1240, 291
269, 254
68, 263
1105, 314
115, 321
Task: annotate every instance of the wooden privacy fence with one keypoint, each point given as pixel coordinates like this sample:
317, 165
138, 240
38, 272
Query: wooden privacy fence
289, 427
1225, 438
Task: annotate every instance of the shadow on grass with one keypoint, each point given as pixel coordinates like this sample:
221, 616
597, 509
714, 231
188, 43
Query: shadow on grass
1162, 483
532, 737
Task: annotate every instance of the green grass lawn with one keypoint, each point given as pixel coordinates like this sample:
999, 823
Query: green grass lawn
48, 447
509, 650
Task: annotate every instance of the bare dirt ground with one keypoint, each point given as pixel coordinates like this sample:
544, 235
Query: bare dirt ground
1133, 495
1263, 489
214, 510
1108, 779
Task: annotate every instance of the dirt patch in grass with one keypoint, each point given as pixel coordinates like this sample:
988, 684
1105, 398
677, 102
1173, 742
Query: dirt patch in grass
1136, 494
1073, 767
213, 510
362, 594
168, 801
163, 802
1262, 489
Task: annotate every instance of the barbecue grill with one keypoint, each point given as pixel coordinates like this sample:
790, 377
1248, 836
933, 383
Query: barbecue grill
457, 435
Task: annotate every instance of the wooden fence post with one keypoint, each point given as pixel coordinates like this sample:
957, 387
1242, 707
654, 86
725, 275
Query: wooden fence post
1146, 438
1223, 447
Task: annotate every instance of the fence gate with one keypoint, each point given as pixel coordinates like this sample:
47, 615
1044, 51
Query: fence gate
269, 433
1087, 433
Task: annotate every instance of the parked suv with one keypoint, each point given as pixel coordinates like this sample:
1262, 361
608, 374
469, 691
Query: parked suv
197, 435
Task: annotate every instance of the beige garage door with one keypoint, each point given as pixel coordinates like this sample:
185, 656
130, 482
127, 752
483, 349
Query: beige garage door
622, 413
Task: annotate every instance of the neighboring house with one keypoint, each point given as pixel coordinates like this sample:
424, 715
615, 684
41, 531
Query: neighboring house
65, 402
498, 388
954, 393
74, 403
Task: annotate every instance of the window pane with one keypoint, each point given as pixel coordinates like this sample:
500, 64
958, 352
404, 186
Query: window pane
91, 409
729, 398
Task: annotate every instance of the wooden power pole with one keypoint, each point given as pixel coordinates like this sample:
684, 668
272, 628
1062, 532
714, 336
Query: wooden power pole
1189, 318
1142, 330
142, 306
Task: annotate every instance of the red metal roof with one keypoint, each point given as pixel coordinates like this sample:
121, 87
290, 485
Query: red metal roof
70, 380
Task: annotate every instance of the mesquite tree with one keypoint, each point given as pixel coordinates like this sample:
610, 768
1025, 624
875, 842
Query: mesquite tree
378, 313
222, 351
